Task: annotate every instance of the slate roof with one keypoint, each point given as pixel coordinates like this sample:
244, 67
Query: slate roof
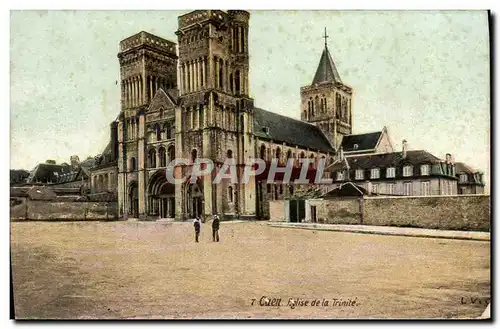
291, 131
46, 172
326, 71
461, 167
346, 189
366, 141
383, 160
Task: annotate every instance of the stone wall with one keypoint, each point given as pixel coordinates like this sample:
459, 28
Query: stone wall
25, 209
461, 212
342, 211
277, 211
467, 212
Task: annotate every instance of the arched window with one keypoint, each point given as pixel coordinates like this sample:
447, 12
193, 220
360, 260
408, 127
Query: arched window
288, 154
152, 158
230, 194
263, 152
172, 131
194, 155
166, 128
302, 155
229, 154
171, 153
221, 74
231, 82
163, 157
132, 164
237, 82
278, 153
157, 130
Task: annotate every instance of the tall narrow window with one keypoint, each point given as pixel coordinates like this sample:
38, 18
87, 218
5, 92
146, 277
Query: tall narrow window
158, 132
237, 82
163, 157
221, 73
132, 164
230, 194
152, 158
171, 153
194, 155
201, 117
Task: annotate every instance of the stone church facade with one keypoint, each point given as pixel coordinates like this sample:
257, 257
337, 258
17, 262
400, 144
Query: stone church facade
191, 100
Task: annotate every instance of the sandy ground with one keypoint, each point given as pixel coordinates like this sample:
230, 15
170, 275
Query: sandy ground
83, 270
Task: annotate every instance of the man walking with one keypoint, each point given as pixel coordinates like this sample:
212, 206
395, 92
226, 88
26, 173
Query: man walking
197, 225
215, 228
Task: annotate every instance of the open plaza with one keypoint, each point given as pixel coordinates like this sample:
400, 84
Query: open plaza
155, 270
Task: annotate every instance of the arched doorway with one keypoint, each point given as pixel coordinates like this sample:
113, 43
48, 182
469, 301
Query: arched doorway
194, 198
133, 199
161, 196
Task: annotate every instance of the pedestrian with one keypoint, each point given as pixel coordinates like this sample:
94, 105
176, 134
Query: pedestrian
197, 225
215, 228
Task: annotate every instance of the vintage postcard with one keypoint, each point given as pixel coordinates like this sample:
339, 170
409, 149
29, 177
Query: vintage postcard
250, 164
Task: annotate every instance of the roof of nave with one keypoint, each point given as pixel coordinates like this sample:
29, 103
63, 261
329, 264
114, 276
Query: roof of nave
359, 142
290, 131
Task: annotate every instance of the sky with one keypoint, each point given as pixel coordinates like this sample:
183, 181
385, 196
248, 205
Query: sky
425, 75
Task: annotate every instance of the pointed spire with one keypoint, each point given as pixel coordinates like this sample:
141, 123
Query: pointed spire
326, 71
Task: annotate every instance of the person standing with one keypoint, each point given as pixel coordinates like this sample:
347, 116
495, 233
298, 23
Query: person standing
197, 226
215, 228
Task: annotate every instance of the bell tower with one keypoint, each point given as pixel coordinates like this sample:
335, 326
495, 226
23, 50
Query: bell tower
327, 101
216, 111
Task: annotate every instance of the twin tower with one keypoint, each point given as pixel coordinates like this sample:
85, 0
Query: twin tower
205, 110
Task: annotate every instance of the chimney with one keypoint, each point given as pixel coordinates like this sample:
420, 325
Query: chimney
405, 148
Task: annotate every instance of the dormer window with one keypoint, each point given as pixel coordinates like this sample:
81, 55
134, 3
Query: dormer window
407, 171
340, 175
356, 146
265, 130
375, 173
391, 172
425, 170
359, 174
463, 178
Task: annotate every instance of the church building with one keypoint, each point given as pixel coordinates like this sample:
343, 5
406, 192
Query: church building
191, 100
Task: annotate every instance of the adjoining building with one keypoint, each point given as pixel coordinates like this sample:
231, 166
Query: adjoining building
470, 181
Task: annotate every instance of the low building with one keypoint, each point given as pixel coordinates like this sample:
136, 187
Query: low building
470, 181
62, 175
410, 173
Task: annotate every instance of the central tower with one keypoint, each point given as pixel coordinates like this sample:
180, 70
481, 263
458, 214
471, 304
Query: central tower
326, 103
215, 115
